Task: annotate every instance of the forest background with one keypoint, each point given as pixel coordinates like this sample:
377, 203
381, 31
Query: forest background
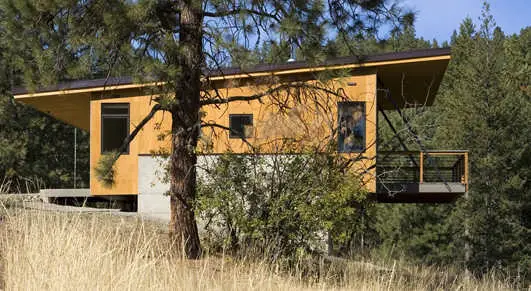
483, 105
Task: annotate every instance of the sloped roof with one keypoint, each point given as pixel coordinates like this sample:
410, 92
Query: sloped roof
262, 68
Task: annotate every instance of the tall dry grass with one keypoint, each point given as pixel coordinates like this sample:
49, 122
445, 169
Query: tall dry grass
59, 251
21, 185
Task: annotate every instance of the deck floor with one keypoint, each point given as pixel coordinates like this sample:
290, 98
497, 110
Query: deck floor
419, 192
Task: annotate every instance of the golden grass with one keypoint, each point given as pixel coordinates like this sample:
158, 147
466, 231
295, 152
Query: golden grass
60, 251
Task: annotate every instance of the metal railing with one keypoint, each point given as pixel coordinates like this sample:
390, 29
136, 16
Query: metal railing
423, 167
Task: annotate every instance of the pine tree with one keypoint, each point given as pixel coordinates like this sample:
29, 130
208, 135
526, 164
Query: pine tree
483, 106
177, 42
487, 113
35, 150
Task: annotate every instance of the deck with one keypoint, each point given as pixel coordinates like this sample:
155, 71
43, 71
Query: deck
421, 177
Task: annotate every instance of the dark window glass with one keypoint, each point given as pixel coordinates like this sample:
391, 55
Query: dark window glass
241, 125
114, 126
110, 109
351, 127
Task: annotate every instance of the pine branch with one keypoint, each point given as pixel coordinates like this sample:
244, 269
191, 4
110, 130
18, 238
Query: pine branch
245, 98
270, 91
225, 13
215, 125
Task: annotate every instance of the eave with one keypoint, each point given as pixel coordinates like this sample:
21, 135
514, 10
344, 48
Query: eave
69, 101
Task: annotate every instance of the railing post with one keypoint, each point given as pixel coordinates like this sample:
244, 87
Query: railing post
421, 165
466, 171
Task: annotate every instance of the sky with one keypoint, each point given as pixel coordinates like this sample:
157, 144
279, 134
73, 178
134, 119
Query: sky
437, 19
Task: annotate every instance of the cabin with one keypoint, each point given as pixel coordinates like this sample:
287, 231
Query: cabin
354, 94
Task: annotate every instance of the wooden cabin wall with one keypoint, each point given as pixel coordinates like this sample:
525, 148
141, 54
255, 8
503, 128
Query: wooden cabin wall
309, 127
126, 179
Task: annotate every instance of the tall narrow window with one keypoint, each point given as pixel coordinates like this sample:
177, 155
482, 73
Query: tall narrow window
114, 126
351, 127
241, 125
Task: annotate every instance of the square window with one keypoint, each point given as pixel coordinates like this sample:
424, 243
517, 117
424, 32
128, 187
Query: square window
114, 126
351, 127
241, 125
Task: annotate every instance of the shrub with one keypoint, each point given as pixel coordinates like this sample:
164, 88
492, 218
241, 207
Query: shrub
292, 202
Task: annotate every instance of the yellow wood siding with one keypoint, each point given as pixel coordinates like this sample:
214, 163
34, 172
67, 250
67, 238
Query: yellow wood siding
307, 126
409, 81
126, 179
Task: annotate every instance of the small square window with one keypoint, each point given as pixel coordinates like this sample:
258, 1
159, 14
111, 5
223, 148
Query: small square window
241, 125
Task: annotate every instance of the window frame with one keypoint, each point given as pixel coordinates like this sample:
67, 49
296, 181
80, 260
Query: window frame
364, 112
104, 116
232, 134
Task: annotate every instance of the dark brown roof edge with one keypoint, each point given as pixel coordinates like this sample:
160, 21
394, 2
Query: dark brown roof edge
114, 81
78, 84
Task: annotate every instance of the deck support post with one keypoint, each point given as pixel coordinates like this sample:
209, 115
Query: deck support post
466, 172
421, 166
412, 131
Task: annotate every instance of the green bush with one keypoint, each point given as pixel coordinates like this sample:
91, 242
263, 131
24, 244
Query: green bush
293, 202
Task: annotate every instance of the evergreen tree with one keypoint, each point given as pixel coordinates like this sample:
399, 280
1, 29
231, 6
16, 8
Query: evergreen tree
176, 42
35, 149
486, 111
483, 106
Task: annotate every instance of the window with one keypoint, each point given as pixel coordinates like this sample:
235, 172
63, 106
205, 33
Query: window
351, 127
241, 125
114, 126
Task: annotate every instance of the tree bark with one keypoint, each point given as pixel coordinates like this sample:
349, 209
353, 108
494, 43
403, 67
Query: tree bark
185, 131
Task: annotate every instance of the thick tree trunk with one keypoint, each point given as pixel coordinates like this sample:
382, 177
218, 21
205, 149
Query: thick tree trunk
185, 131
183, 227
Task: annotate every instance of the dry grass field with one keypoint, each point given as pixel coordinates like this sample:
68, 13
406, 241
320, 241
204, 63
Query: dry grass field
42, 250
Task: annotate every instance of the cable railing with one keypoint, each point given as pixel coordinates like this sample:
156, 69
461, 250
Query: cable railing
409, 167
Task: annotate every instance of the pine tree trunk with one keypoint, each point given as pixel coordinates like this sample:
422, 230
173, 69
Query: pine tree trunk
183, 227
185, 131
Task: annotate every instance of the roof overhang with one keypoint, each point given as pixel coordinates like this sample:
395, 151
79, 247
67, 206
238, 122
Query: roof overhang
73, 109
411, 77
410, 84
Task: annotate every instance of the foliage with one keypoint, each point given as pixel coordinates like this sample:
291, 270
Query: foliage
483, 106
495, 125
291, 201
58, 40
35, 145
105, 169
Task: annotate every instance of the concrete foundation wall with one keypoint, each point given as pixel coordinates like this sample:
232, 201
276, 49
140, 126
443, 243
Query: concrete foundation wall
152, 199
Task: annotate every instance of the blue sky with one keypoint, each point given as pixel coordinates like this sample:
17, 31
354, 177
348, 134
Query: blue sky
438, 19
